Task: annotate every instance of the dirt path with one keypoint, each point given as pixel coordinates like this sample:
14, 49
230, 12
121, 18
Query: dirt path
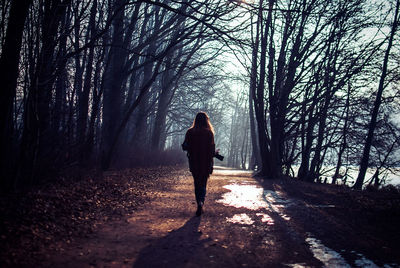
243, 225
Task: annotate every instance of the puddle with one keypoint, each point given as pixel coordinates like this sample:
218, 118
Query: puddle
241, 219
276, 203
297, 265
364, 262
266, 218
327, 256
331, 258
392, 265
254, 197
244, 196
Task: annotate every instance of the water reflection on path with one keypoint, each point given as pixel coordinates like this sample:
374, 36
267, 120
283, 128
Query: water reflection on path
249, 195
254, 197
244, 195
327, 256
241, 219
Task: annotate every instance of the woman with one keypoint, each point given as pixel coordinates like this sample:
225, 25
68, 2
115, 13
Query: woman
199, 143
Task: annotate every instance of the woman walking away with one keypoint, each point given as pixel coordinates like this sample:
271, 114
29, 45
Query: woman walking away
199, 143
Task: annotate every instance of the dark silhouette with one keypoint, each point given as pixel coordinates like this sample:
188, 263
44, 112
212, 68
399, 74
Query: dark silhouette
175, 249
199, 143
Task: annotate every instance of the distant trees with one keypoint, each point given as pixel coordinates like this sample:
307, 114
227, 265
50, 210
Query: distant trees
111, 82
310, 70
87, 81
239, 153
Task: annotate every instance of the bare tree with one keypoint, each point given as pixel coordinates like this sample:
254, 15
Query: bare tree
377, 103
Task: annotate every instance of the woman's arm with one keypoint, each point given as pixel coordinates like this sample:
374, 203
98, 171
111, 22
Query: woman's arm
211, 153
212, 147
185, 144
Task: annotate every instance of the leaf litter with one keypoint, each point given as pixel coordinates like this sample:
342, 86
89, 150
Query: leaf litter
49, 216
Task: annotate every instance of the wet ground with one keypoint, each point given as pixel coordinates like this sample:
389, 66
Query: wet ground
246, 223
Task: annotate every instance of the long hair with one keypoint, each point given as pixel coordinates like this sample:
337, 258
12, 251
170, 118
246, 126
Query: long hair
202, 121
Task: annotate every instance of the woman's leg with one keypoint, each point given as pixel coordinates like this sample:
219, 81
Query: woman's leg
200, 186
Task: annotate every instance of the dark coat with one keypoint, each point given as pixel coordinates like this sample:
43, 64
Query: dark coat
201, 150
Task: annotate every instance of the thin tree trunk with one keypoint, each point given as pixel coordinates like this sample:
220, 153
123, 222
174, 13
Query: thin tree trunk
367, 147
255, 152
344, 142
37, 145
162, 107
112, 96
83, 100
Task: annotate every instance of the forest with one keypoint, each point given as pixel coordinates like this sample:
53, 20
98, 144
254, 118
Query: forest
292, 87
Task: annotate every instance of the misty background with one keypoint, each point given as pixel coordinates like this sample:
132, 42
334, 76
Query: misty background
308, 89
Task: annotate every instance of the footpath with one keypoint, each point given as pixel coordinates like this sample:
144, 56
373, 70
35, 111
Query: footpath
246, 223
145, 217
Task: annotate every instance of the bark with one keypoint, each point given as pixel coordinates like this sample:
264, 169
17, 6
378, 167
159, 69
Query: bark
9, 61
83, 98
255, 153
112, 96
255, 159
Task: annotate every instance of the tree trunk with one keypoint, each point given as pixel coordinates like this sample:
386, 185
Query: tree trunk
83, 98
112, 96
307, 136
37, 145
255, 153
367, 147
162, 107
268, 165
344, 142
9, 73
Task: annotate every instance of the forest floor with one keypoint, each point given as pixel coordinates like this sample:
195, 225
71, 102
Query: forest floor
145, 218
